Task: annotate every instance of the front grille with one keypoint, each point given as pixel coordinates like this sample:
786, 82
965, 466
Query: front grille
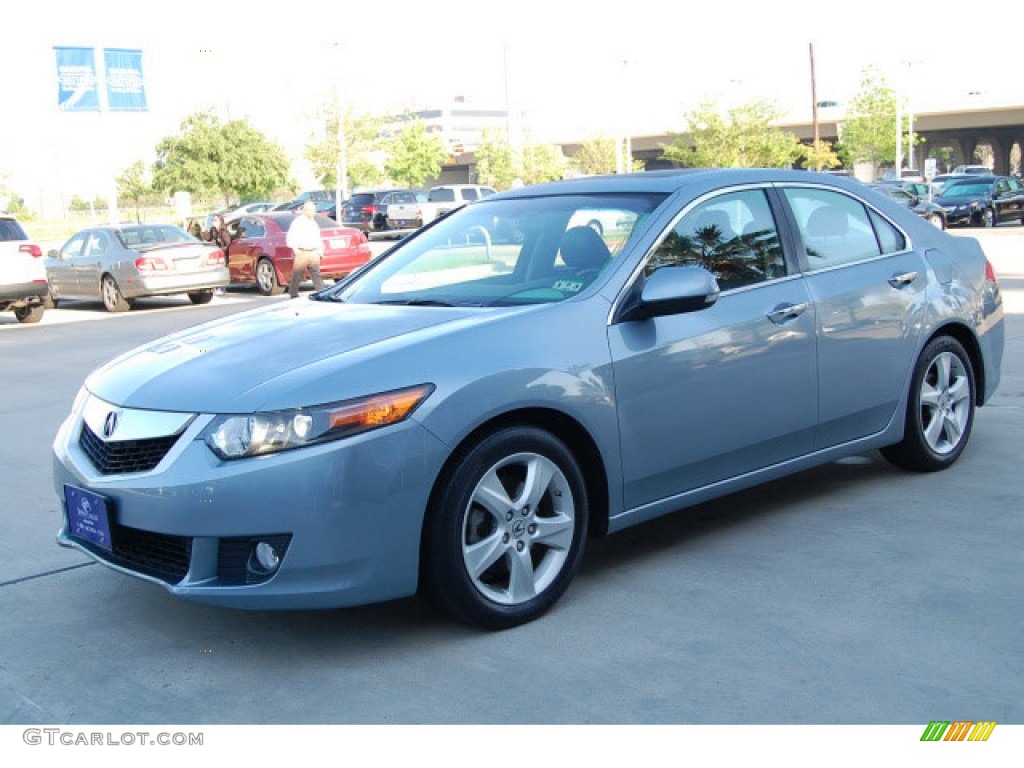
159, 555
124, 456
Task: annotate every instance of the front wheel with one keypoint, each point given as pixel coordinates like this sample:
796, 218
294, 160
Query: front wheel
266, 279
111, 294
988, 218
940, 409
505, 532
937, 221
201, 297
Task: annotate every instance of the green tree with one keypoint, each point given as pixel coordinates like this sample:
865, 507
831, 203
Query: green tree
495, 161
595, 155
821, 156
542, 162
869, 131
415, 155
744, 137
361, 131
133, 184
208, 158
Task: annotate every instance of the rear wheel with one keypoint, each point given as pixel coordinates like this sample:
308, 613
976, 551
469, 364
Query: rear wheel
266, 278
505, 533
201, 297
111, 295
940, 409
29, 314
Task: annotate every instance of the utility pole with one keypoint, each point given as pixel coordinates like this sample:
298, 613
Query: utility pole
814, 113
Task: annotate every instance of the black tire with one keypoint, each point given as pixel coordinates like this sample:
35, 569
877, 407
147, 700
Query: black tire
940, 409
266, 279
201, 297
29, 314
111, 295
936, 220
534, 548
988, 218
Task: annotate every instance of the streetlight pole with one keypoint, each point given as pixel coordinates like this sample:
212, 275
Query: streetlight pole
341, 169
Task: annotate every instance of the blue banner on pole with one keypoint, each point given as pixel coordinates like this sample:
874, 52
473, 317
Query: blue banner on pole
77, 89
126, 87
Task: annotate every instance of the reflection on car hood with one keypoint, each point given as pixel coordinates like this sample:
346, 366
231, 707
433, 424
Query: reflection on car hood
283, 356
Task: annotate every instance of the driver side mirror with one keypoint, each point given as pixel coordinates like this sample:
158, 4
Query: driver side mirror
673, 291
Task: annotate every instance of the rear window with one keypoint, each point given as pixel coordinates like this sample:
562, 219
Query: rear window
10, 229
362, 198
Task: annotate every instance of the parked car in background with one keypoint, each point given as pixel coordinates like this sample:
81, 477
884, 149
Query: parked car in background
982, 201
120, 264
404, 215
979, 170
367, 211
22, 272
458, 418
921, 205
921, 189
248, 208
259, 255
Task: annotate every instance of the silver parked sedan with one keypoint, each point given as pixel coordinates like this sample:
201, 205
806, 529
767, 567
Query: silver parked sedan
459, 416
120, 264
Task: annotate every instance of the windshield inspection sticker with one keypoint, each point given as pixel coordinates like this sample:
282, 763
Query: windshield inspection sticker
569, 286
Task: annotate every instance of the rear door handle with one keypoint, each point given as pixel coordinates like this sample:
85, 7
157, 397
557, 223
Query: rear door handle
901, 281
786, 312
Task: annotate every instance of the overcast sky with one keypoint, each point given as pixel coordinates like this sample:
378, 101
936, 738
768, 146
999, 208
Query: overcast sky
571, 69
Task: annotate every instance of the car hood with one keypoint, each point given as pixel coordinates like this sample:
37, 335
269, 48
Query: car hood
294, 353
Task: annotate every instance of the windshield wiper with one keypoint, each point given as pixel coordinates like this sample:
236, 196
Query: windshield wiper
418, 303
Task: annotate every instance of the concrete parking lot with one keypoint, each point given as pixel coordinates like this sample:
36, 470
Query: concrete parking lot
850, 594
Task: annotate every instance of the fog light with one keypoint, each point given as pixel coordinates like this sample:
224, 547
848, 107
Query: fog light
267, 557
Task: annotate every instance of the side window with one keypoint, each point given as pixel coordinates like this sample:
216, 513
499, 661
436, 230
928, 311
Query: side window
253, 228
836, 229
73, 248
733, 236
890, 238
97, 244
468, 194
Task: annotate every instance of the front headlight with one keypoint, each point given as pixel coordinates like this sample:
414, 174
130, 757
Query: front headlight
242, 436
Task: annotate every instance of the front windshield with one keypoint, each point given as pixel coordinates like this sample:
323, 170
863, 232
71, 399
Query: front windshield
506, 252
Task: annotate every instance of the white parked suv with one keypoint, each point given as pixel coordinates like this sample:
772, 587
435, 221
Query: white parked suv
22, 272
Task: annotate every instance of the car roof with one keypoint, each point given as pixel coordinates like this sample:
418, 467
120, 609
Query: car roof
670, 181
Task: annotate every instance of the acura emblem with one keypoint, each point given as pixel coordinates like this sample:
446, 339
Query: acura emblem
110, 424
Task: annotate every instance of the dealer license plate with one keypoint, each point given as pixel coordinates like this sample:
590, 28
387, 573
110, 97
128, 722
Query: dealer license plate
88, 516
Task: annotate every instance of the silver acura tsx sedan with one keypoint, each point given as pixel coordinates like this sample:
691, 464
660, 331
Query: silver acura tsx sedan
548, 364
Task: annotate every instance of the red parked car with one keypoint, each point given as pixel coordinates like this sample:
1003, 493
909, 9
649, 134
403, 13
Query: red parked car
258, 254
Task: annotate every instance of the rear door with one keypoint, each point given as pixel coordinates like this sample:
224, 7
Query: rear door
868, 287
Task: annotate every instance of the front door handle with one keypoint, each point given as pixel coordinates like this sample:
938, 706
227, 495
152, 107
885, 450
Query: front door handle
786, 312
901, 281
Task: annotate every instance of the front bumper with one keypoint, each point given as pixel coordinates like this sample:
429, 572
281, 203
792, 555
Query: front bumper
347, 516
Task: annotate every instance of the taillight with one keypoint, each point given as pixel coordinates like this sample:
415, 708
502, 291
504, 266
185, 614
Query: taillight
213, 258
990, 273
31, 249
369, 210
149, 264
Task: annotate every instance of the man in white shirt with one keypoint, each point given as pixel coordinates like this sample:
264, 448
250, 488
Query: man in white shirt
307, 246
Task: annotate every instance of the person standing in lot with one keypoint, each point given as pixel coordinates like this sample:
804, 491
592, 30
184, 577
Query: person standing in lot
307, 246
